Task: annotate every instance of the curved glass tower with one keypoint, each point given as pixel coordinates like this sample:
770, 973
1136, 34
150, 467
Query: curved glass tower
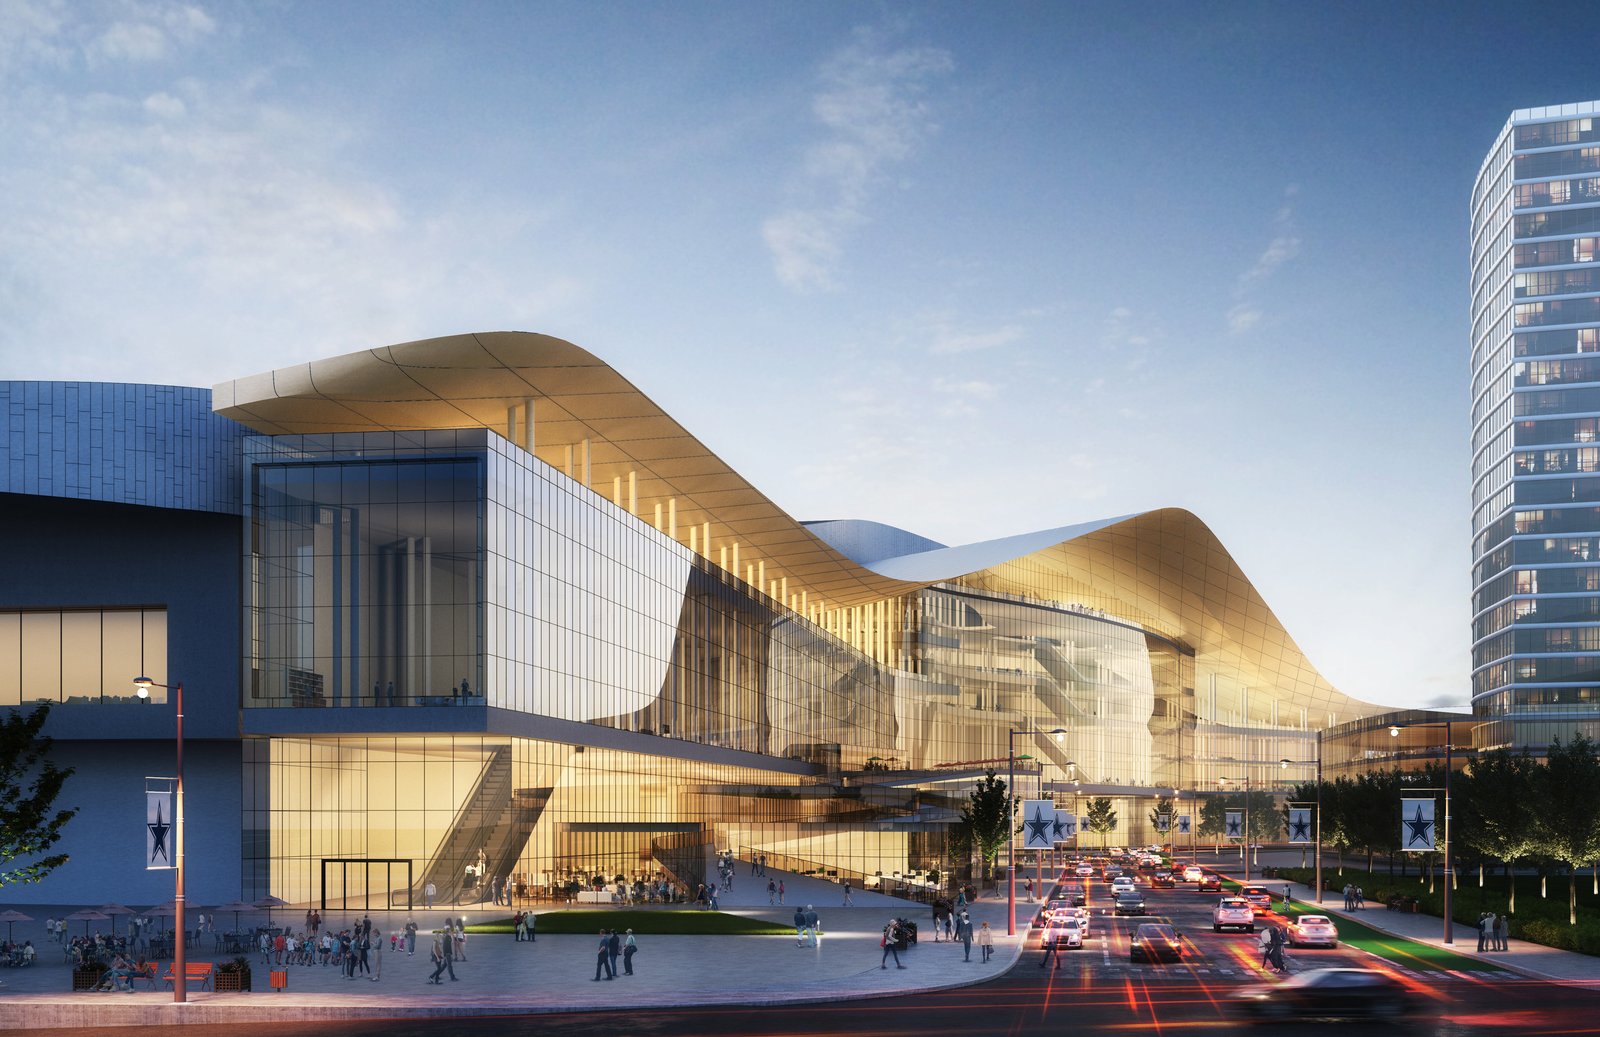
1536, 428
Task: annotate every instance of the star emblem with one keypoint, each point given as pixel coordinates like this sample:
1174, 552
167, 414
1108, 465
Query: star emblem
1039, 827
158, 831
1300, 829
1233, 827
1183, 825
1421, 830
1058, 828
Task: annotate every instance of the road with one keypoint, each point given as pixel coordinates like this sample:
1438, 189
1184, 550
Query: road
1096, 987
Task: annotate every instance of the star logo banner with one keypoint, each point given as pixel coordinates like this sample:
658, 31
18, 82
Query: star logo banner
1416, 825
1183, 824
1038, 824
1233, 824
158, 831
1066, 826
1299, 825
1163, 822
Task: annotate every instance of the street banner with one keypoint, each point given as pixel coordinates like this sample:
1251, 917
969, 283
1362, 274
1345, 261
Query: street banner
1038, 824
1233, 824
1163, 822
1416, 825
159, 837
1183, 824
1066, 826
1083, 824
1299, 825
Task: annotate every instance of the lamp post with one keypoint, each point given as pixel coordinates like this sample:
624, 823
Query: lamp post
180, 986
1244, 846
1284, 764
1011, 829
1449, 767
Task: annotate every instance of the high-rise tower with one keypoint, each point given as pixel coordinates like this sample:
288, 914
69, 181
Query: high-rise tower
1536, 428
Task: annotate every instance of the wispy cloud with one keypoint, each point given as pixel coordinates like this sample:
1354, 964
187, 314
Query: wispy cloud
1284, 246
870, 103
947, 340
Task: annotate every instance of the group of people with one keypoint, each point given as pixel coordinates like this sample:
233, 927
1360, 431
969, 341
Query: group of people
1354, 897
775, 892
1273, 938
612, 945
1494, 932
17, 955
807, 927
522, 925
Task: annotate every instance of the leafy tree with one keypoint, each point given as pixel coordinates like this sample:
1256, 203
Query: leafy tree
1372, 813
29, 785
1568, 814
986, 820
1493, 804
1102, 819
1163, 806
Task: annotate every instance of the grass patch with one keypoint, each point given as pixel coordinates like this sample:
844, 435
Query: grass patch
643, 923
1420, 956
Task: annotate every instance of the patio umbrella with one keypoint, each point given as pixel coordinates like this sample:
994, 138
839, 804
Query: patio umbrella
8, 917
114, 909
236, 906
86, 916
270, 902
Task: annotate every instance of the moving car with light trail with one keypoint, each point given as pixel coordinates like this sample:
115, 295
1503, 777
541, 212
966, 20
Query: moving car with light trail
1129, 903
1313, 931
1327, 994
1155, 941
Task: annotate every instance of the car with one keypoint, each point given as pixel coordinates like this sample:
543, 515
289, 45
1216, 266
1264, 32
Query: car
1075, 894
1313, 931
1260, 899
1084, 870
1327, 994
1064, 934
1122, 884
1083, 920
1110, 872
1233, 913
1155, 941
1129, 903
1163, 879
1210, 882
1193, 873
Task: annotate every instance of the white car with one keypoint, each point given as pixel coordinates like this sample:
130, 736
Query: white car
1233, 913
1085, 870
1122, 884
1313, 929
1193, 873
1064, 934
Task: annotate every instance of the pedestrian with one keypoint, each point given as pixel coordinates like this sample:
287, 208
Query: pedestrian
964, 934
1349, 897
629, 948
780, 892
938, 919
603, 962
1049, 943
889, 943
1502, 933
949, 920
1485, 930
614, 949
986, 941
363, 945
799, 927
377, 973
847, 894
1027, 884
530, 920
516, 926
813, 924
428, 893
772, 892
450, 954
1279, 938
440, 958
1265, 939
1361, 898
1286, 898
411, 937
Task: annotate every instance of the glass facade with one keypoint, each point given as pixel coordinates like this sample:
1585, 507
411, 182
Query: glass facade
1536, 404
82, 655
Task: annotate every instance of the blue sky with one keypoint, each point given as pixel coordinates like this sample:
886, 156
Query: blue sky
971, 269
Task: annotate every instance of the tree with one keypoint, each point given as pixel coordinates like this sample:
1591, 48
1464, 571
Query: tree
29, 785
1495, 819
986, 820
1568, 811
1102, 819
1162, 808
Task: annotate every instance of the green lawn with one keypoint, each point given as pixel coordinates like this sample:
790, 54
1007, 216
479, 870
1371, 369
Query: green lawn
651, 923
1420, 956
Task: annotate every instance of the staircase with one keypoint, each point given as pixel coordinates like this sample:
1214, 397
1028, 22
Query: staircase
494, 818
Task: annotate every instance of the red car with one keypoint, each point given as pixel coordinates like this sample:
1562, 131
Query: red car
1210, 882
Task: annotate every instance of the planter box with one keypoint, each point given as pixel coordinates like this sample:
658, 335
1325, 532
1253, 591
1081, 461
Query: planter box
86, 979
231, 982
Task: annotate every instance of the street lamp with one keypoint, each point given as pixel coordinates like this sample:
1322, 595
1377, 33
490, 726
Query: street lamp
180, 986
1244, 846
1284, 764
1449, 766
1011, 847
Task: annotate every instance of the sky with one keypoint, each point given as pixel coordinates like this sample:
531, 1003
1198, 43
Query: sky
967, 269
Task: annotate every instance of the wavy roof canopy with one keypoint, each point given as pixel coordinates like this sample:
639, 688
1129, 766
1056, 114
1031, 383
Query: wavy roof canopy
1164, 570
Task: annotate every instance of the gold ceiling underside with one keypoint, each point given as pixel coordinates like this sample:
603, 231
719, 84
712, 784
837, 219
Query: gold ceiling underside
1164, 570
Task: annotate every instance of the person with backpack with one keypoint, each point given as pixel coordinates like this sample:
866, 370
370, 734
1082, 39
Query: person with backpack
889, 942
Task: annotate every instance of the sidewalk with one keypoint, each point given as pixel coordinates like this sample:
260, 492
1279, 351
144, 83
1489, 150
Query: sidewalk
1529, 959
553, 974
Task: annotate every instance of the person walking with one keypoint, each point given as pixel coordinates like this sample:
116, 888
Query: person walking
629, 948
813, 923
603, 962
964, 934
531, 921
411, 937
1048, 942
614, 949
780, 892
428, 893
772, 893
1279, 939
938, 919
1485, 930
986, 941
438, 959
847, 894
450, 954
891, 937
1265, 939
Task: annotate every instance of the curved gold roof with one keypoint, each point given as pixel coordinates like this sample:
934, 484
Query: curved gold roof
1163, 570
